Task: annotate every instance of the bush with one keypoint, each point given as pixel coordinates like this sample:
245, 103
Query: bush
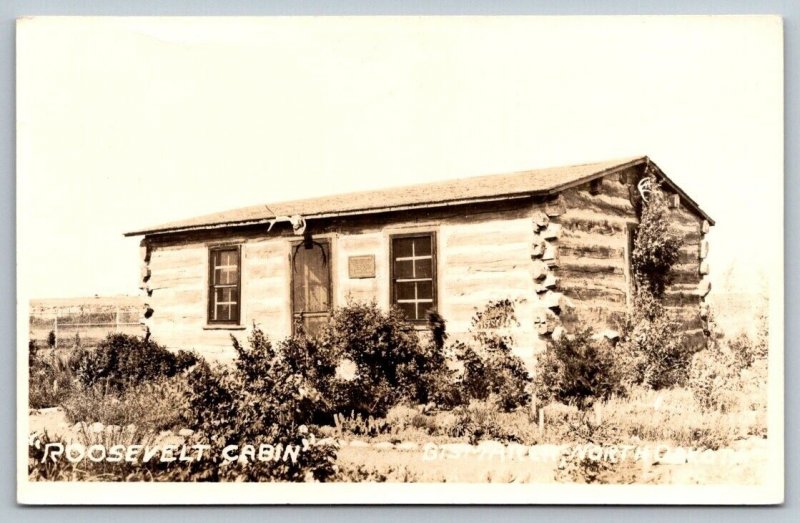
476, 421
490, 368
587, 460
730, 376
365, 361
120, 360
264, 399
657, 343
401, 417
747, 351
579, 369
480, 420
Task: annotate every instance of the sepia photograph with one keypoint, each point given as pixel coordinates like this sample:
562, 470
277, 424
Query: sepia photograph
468, 259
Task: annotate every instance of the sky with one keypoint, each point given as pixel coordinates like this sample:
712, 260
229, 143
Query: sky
124, 123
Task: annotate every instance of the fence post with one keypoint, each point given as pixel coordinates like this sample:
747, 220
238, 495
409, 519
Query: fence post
55, 329
116, 318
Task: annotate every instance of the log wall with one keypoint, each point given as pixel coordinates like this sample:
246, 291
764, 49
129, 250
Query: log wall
563, 260
593, 253
593, 268
482, 255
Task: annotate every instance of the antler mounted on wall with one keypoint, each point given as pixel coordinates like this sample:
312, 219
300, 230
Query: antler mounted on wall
297, 221
645, 187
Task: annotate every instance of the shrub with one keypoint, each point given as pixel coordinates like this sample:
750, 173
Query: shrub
389, 363
579, 369
588, 460
731, 374
747, 351
400, 417
365, 361
120, 360
33, 352
476, 421
490, 368
51, 339
656, 341
264, 399
559, 422
711, 380
480, 420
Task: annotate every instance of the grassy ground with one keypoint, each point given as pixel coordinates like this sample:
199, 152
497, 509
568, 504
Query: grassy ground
412, 456
712, 430
491, 464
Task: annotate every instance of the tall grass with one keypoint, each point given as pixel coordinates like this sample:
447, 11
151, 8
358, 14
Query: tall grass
51, 379
155, 405
674, 416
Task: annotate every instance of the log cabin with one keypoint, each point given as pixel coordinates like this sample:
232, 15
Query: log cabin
555, 241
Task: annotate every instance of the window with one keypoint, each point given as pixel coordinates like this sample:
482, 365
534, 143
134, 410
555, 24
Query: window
414, 274
311, 285
224, 285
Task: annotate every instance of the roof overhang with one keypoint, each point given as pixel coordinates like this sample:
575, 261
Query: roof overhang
378, 209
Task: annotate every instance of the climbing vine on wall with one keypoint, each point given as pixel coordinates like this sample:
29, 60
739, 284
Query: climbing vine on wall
655, 247
653, 336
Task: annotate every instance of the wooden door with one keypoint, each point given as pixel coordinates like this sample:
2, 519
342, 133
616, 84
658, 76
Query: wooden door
311, 285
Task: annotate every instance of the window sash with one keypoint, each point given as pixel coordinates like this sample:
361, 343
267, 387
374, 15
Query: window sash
224, 307
421, 282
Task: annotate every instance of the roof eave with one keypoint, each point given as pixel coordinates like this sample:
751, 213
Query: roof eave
633, 163
599, 174
355, 212
447, 203
672, 185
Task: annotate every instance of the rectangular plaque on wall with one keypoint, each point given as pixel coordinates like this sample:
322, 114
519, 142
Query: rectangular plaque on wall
361, 266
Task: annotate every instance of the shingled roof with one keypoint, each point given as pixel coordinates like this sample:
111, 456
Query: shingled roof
451, 192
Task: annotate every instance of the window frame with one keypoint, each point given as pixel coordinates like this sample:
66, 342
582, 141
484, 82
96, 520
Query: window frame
293, 248
434, 272
211, 287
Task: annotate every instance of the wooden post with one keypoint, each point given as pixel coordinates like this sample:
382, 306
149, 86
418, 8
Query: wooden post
116, 318
541, 421
55, 329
